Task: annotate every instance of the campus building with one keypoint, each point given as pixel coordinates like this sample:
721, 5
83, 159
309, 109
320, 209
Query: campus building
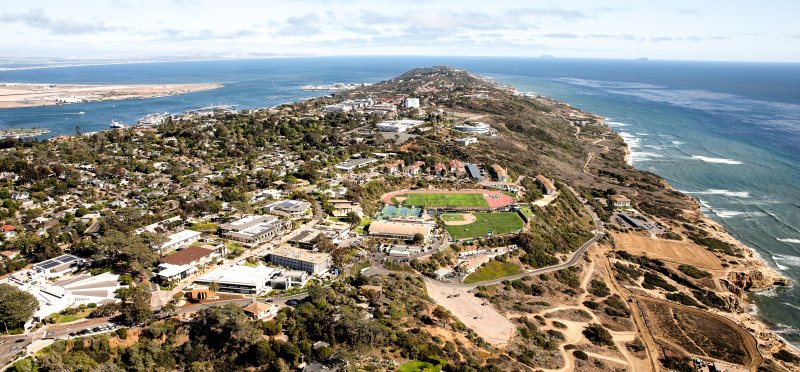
301, 259
289, 208
399, 230
240, 279
254, 229
58, 266
180, 239
477, 128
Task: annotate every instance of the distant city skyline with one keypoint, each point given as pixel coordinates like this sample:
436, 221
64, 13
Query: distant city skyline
142, 29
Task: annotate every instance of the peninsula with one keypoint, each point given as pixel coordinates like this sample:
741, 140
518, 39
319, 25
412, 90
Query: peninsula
434, 221
14, 95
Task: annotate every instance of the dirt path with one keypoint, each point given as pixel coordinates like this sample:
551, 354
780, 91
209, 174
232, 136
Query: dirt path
637, 314
586, 165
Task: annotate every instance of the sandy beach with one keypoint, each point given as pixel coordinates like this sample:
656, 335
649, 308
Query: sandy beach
14, 95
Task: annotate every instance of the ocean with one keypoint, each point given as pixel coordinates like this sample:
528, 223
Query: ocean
728, 134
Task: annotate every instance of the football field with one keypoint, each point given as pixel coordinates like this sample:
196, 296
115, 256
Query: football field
444, 200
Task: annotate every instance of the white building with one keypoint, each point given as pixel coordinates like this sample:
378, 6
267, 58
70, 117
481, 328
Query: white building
301, 259
478, 128
355, 163
58, 266
467, 141
411, 102
398, 126
240, 279
180, 239
254, 229
289, 208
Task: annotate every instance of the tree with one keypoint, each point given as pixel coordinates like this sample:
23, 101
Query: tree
352, 218
136, 305
16, 306
418, 239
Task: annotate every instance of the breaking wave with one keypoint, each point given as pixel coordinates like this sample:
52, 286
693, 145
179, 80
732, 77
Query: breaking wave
789, 240
717, 160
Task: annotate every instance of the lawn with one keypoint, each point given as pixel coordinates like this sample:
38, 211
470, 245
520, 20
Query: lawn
66, 318
419, 366
492, 270
498, 223
445, 200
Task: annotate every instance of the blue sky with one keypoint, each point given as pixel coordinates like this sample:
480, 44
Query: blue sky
690, 30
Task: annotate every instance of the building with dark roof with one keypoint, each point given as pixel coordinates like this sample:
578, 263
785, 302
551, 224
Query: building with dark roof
474, 171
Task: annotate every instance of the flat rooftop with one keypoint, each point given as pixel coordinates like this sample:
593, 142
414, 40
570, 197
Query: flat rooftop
300, 254
236, 274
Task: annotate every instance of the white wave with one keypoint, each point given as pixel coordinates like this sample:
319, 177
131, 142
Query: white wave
717, 160
614, 124
789, 240
723, 192
676, 143
721, 213
787, 260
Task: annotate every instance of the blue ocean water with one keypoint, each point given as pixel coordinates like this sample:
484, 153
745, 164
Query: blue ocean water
726, 133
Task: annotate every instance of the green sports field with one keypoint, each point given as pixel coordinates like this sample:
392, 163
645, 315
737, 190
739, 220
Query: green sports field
445, 200
499, 222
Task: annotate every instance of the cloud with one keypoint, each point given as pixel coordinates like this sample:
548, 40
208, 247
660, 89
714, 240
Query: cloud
37, 18
567, 35
566, 14
561, 35
172, 34
304, 25
687, 11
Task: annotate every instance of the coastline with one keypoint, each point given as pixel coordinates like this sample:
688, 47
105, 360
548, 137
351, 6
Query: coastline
758, 276
18, 95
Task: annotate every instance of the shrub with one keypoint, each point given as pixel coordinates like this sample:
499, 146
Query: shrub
599, 288
598, 335
122, 333
694, 272
579, 354
786, 356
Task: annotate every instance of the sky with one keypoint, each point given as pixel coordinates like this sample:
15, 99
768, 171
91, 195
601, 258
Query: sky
731, 30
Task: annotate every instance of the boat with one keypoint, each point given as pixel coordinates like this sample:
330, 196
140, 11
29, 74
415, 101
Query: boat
116, 124
153, 120
81, 113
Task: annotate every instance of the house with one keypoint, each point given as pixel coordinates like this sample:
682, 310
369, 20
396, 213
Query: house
301, 259
180, 239
260, 310
394, 166
342, 208
399, 230
254, 229
439, 169
547, 187
239, 279
499, 173
415, 168
620, 201
457, 168
289, 208
8, 231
